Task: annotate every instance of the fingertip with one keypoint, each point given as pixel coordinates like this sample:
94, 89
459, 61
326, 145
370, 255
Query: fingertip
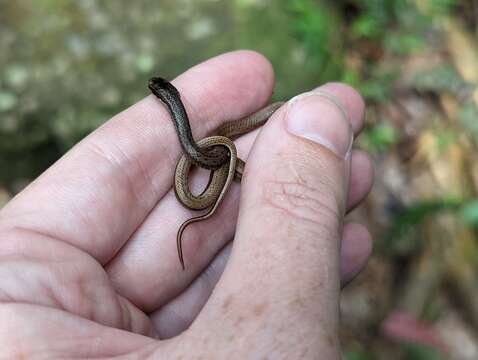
259, 63
361, 178
356, 249
260, 72
249, 77
352, 101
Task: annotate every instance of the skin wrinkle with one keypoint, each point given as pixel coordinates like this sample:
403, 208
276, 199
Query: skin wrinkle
95, 308
209, 276
17, 240
126, 320
55, 299
87, 310
295, 200
119, 159
12, 262
205, 281
297, 195
300, 166
176, 313
53, 296
228, 302
294, 196
80, 217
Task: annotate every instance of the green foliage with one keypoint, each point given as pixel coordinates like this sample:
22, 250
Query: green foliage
367, 27
444, 139
407, 43
378, 85
374, 16
439, 7
400, 237
467, 118
379, 138
313, 22
318, 28
358, 354
304, 52
445, 79
404, 23
407, 31
440, 79
374, 84
469, 213
422, 352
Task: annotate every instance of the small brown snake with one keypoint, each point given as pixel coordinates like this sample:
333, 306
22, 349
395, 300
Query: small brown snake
216, 153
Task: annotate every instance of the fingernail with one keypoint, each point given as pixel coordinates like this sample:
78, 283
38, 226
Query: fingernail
321, 118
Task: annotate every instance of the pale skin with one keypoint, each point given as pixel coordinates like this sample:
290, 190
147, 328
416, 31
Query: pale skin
88, 262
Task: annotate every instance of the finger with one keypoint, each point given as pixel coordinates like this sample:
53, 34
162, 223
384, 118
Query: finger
282, 281
99, 192
177, 315
355, 252
351, 101
361, 178
147, 270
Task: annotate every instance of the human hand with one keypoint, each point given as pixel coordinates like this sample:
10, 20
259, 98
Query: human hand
88, 261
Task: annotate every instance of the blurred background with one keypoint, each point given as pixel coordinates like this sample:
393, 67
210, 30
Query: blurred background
67, 66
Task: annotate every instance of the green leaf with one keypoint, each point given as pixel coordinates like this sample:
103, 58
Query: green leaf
422, 352
8, 101
358, 354
144, 63
440, 78
379, 138
469, 213
367, 27
400, 43
397, 238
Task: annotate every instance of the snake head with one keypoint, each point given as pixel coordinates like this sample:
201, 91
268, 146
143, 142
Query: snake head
161, 87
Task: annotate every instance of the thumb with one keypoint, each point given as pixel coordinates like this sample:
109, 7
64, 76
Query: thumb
282, 282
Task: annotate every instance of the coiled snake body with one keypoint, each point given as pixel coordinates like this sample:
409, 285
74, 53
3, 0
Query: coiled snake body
216, 153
